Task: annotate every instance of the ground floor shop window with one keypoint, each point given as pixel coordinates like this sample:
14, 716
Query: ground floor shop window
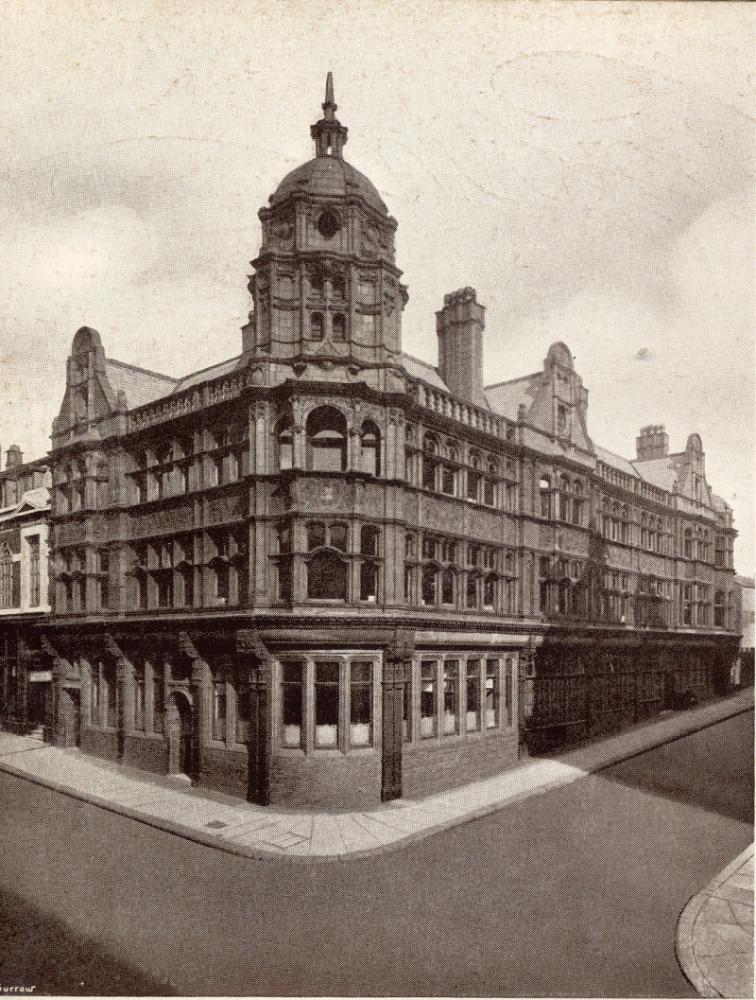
326, 704
291, 704
451, 697
361, 704
492, 694
428, 683
472, 717
219, 709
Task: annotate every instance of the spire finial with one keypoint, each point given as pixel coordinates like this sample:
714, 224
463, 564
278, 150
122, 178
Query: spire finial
329, 105
329, 134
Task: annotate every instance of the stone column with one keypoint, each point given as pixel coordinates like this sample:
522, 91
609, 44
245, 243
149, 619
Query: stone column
259, 745
395, 657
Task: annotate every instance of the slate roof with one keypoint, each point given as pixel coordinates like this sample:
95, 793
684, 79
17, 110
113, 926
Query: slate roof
37, 499
616, 461
205, 374
659, 472
505, 397
139, 385
416, 368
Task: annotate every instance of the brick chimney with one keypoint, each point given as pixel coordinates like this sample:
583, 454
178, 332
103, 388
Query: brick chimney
459, 326
652, 442
13, 457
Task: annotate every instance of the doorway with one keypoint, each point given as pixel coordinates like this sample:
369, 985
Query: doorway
180, 728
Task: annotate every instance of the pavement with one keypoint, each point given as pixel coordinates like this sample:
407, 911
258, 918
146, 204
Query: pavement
715, 933
305, 835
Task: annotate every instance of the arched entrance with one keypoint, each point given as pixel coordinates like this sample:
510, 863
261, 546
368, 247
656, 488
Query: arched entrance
179, 718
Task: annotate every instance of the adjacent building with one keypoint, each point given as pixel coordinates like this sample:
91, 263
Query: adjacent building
25, 675
743, 666
325, 572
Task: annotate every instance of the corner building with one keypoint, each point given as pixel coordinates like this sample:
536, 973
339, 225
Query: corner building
324, 572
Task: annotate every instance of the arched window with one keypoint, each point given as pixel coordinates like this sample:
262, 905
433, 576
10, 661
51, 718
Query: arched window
409, 454
644, 530
699, 544
449, 472
430, 461
471, 590
339, 328
489, 485
719, 609
368, 581
688, 544
337, 536
409, 546
473, 476
369, 535
284, 444
625, 529
544, 487
316, 326
447, 586
326, 577
370, 449
315, 535
564, 498
489, 591
429, 585
509, 562
577, 502
706, 552
326, 440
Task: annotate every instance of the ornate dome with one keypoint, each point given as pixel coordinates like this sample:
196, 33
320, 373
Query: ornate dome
329, 175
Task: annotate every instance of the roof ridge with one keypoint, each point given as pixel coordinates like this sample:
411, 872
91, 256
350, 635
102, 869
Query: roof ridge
143, 371
426, 364
208, 368
510, 381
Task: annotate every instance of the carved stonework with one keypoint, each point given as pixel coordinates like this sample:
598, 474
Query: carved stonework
159, 521
225, 508
319, 494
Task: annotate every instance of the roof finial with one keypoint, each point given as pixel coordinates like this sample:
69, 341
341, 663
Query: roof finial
329, 134
329, 105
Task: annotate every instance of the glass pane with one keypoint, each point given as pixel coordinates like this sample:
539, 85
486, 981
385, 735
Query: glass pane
338, 534
291, 705
361, 710
473, 695
492, 694
326, 704
451, 695
428, 699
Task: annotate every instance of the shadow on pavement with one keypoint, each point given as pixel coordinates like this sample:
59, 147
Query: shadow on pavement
722, 783
41, 952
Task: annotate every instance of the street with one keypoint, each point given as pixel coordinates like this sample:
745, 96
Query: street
572, 892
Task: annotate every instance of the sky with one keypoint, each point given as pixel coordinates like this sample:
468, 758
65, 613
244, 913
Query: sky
587, 167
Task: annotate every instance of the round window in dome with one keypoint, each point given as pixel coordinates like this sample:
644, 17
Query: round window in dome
328, 225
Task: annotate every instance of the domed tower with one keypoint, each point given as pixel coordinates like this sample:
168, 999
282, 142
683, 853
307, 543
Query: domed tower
325, 286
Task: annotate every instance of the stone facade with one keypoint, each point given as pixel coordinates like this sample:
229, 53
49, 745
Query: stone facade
319, 573
25, 676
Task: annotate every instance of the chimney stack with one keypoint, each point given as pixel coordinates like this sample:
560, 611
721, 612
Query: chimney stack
652, 442
13, 457
459, 326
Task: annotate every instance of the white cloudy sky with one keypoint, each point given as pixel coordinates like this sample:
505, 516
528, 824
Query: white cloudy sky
587, 167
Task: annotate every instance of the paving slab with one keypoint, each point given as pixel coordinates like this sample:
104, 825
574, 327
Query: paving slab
714, 940
255, 831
